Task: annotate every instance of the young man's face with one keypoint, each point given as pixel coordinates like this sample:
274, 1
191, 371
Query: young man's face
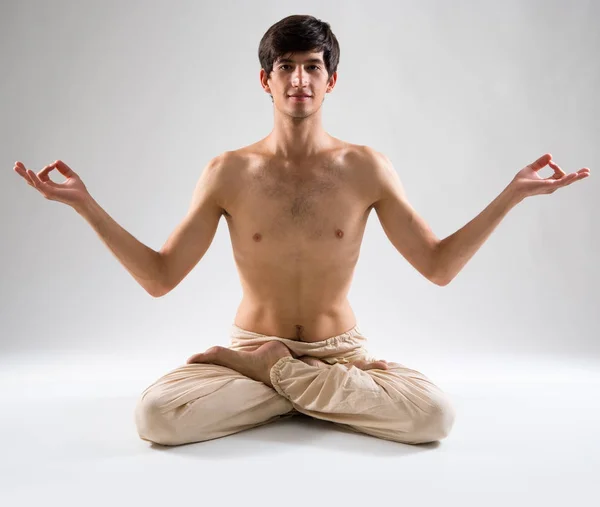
298, 74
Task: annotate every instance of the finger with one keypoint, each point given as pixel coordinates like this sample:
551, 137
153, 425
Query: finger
30, 175
40, 185
63, 168
43, 174
564, 181
29, 178
558, 172
19, 167
579, 175
26, 174
541, 162
21, 172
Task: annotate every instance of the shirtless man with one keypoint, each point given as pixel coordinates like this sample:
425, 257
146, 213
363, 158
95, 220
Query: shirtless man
296, 205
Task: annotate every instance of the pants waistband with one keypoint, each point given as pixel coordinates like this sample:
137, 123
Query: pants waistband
344, 345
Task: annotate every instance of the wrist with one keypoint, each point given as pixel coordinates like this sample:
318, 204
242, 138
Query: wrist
512, 195
85, 207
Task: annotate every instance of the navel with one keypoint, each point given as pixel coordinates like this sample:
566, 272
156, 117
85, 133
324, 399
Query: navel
339, 233
257, 237
299, 332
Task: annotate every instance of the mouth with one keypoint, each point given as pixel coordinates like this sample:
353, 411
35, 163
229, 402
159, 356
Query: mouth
300, 97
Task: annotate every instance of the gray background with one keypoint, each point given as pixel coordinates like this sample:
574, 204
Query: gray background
137, 96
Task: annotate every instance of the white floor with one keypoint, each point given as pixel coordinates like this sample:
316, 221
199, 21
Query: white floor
525, 435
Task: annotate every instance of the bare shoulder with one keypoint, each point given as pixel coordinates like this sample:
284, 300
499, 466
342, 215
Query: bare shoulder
228, 170
212, 185
367, 160
374, 160
373, 168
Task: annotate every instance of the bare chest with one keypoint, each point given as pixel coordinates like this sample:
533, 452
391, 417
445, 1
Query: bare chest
317, 205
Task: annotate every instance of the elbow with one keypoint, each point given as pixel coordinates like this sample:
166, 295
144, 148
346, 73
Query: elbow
157, 292
159, 286
161, 293
439, 280
439, 277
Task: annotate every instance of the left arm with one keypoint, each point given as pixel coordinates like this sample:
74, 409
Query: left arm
455, 251
440, 261
405, 228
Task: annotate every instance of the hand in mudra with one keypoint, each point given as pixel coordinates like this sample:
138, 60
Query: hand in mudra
72, 192
528, 182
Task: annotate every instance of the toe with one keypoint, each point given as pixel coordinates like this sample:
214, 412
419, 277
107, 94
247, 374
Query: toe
196, 358
205, 356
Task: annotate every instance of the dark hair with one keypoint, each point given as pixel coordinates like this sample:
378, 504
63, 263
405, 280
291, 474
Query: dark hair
298, 33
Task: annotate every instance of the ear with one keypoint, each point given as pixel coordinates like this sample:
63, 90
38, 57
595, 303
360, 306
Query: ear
332, 81
264, 81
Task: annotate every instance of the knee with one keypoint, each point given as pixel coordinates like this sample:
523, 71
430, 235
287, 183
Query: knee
437, 423
152, 422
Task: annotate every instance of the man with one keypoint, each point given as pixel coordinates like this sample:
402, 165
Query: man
296, 204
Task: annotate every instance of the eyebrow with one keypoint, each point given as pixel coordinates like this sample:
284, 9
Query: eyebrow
310, 60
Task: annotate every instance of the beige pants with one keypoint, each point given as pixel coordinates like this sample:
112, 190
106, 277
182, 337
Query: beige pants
198, 402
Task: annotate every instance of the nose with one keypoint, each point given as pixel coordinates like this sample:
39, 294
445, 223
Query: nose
299, 76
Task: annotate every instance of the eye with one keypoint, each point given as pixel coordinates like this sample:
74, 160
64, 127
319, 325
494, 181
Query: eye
285, 65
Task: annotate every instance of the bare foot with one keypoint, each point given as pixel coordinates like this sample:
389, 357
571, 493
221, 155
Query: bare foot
256, 364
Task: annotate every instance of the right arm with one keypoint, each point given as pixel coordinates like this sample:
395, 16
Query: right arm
160, 272
190, 240
157, 272
142, 262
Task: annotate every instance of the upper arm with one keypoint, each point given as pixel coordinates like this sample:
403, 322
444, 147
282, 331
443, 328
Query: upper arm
190, 240
408, 232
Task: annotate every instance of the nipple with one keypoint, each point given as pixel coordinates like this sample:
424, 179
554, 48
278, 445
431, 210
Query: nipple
339, 233
257, 237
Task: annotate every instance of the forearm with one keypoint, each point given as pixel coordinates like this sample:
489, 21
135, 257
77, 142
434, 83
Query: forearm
457, 249
142, 262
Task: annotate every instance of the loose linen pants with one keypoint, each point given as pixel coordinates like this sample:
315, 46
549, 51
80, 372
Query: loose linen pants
201, 401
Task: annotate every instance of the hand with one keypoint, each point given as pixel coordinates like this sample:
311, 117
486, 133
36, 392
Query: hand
72, 192
527, 182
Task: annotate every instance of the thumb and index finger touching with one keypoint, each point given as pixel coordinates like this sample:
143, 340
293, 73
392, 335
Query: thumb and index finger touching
42, 175
63, 168
545, 160
559, 174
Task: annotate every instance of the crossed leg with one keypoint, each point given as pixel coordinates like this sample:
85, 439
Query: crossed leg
223, 391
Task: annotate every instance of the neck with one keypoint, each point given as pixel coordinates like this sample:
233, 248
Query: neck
297, 138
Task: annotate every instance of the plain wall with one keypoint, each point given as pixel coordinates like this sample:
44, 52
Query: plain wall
138, 96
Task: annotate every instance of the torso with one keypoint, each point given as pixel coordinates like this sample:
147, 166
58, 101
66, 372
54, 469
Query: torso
296, 232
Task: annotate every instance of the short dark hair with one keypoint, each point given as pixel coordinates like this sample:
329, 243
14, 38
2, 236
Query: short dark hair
299, 33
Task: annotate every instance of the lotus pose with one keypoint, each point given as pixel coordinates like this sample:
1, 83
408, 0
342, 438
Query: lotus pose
296, 204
